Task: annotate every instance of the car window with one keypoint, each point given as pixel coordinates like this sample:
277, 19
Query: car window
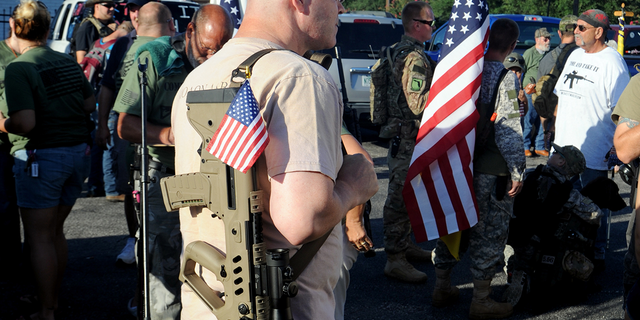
75, 20
181, 13
63, 12
632, 43
364, 40
528, 30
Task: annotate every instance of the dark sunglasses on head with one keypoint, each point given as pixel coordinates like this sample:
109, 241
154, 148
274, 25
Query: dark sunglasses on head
513, 59
427, 22
107, 4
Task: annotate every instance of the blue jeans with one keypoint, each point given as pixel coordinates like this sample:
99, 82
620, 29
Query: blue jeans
114, 161
61, 174
533, 133
601, 239
95, 183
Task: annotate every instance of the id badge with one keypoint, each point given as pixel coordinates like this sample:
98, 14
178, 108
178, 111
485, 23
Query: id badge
34, 169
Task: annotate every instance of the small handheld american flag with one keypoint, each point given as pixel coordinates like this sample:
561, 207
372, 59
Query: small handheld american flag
242, 135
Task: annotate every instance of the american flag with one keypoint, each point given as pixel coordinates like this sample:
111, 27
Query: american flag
242, 135
234, 9
438, 191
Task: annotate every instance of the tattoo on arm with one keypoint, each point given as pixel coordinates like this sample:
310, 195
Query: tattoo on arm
630, 123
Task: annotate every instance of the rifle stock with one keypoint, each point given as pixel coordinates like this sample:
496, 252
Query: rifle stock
242, 270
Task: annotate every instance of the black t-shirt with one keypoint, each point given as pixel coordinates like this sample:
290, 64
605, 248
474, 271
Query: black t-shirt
86, 35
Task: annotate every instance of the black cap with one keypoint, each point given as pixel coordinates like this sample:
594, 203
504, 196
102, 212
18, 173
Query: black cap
138, 2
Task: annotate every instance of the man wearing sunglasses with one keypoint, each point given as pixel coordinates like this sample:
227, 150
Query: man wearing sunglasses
411, 72
102, 24
588, 89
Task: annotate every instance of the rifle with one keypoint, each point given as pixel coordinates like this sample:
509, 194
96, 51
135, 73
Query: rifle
257, 282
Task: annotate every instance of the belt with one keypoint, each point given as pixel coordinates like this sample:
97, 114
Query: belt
158, 166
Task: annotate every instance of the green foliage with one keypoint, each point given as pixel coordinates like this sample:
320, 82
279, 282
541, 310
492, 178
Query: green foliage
553, 8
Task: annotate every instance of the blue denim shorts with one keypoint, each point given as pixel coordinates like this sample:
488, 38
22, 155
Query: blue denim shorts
61, 174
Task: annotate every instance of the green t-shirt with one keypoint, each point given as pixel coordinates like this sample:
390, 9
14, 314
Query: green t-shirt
628, 105
160, 94
52, 84
127, 61
532, 60
6, 56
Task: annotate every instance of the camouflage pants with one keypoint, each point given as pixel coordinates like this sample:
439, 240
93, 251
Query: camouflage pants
487, 239
165, 246
631, 272
397, 227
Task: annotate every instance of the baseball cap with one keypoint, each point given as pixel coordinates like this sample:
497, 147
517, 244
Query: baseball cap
514, 60
568, 23
574, 159
542, 32
91, 3
596, 18
138, 2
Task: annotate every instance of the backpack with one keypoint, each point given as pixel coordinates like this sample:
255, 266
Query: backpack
95, 61
103, 31
382, 74
486, 121
544, 100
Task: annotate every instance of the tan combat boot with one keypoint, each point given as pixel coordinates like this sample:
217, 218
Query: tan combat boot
444, 293
399, 268
415, 253
483, 307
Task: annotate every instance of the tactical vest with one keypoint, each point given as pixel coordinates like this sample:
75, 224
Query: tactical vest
401, 120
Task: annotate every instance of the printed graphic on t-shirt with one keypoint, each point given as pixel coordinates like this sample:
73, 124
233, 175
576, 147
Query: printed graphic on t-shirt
574, 76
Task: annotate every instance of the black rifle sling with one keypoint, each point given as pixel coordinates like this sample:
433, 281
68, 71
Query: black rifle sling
303, 256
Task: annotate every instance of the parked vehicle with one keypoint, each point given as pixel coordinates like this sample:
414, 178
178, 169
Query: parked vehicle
71, 13
528, 25
360, 37
631, 45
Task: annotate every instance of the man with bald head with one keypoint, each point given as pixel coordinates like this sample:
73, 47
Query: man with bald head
210, 28
165, 72
309, 186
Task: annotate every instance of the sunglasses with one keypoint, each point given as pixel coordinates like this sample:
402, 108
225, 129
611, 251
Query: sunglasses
514, 59
584, 28
108, 5
427, 22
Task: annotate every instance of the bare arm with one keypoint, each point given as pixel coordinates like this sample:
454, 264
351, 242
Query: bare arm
80, 55
20, 122
106, 98
626, 138
130, 128
306, 205
89, 104
353, 227
637, 235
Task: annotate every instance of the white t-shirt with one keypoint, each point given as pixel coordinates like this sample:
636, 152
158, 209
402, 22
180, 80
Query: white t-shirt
302, 108
588, 90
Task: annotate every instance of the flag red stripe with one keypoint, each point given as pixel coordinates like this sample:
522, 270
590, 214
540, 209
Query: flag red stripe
466, 158
436, 207
257, 132
231, 140
442, 146
244, 137
411, 203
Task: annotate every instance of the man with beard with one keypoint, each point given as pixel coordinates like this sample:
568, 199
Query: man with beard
588, 89
533, 134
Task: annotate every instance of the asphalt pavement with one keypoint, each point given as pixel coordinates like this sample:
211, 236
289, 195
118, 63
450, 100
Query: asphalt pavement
95, 288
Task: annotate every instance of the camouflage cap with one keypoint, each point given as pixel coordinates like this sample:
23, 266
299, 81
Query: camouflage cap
568, 23
574, 159
514, 60
596, 18
91, 3
542, 32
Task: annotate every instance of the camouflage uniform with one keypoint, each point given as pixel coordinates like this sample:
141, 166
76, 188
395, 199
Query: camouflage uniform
413, 72
488, 237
